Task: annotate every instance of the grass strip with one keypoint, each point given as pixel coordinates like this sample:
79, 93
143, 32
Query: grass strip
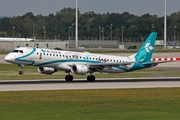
116, 104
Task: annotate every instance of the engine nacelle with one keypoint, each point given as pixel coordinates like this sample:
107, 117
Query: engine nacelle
46, 70
79, 69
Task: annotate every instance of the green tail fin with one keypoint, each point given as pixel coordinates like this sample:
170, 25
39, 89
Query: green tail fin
144, 54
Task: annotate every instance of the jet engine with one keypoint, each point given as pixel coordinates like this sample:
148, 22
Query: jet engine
79, 69
46, 70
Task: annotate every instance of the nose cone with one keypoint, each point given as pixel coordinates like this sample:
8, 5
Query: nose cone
8, 58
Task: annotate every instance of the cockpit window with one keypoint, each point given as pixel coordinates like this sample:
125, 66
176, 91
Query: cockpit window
17, 51
20, 51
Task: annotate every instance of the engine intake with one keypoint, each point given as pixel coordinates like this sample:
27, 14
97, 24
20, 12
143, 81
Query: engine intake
79, 69
46, 70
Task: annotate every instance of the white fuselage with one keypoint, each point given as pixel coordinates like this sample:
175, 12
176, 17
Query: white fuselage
62, 60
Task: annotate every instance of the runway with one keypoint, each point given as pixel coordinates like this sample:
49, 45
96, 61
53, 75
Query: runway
31, 85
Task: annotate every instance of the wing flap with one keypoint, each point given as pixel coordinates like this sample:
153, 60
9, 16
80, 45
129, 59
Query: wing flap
109, 65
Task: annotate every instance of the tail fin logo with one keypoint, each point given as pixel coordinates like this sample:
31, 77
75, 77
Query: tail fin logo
148, 47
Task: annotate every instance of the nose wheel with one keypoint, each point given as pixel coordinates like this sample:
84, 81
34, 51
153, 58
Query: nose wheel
21, 72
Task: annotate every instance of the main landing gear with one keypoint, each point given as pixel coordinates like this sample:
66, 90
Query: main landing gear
90, 77
69, 77
21, 72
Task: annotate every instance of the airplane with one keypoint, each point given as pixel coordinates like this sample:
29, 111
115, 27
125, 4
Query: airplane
5, 39
50, 61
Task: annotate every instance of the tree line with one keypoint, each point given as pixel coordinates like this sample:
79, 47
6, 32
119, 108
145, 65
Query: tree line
91, 25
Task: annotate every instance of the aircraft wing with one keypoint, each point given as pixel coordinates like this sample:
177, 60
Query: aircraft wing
154, 62
99, 66
108, 65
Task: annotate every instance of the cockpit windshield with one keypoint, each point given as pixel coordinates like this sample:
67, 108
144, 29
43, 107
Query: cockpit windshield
17, 51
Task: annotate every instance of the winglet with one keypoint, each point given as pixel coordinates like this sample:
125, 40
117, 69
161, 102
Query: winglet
144, 54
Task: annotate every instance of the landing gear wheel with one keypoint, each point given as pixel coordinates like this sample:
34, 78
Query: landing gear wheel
69, 78
21, 72
91, 78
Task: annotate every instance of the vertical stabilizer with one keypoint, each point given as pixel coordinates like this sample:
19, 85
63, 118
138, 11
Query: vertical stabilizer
144, 54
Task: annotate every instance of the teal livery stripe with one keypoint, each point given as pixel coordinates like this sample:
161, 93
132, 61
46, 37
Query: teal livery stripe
65, 61
31, 62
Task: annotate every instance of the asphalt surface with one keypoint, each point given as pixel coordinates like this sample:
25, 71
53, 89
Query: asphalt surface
31, 85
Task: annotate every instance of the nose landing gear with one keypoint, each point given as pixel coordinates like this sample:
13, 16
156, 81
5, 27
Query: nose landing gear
21, 72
